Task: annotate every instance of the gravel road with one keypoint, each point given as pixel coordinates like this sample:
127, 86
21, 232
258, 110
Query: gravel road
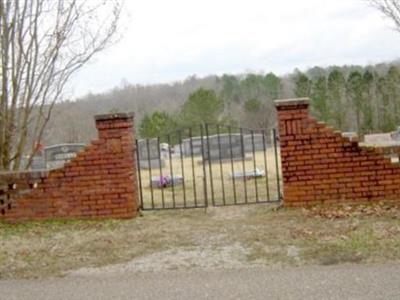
316, 282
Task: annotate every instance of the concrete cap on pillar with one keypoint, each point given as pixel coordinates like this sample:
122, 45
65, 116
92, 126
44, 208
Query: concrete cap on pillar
292, 102
114, 121
114, 116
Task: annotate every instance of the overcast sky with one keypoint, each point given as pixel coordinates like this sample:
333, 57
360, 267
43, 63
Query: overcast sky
165, 41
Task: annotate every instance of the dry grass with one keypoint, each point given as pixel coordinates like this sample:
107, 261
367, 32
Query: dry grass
223, 186
220, 237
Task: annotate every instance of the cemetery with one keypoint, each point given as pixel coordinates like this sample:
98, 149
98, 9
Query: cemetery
225, 147
183, 180
231, 165
256, 141
57, 155
193, 145
150, 154
54, 156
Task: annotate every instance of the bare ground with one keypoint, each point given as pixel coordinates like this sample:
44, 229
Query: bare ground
226, 237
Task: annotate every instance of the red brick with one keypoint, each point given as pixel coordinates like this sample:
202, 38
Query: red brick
98, 183
329, 167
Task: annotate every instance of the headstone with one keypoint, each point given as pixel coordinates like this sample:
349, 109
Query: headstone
351, 135
256, 173
57, 155
257, 140
149, 152
38, 163
176, 150
379, 140
193, 145
164, 150
396, 134
224, 146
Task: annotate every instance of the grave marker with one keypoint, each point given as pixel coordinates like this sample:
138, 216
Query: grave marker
57, 155
149, 154
225, 146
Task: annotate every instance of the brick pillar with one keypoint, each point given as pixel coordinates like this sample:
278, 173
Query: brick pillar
292, 115
116, 134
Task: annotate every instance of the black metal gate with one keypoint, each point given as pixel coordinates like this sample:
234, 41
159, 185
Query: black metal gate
208, 165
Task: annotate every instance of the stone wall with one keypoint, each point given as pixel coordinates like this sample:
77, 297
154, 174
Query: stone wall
319, 165
99, 183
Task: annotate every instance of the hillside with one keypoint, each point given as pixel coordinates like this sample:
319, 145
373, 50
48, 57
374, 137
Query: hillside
358, 98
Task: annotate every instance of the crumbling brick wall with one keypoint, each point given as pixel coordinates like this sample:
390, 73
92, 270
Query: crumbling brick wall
99, 183
319, 165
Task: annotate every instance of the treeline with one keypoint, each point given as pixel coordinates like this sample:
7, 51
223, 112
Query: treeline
245, 102
351, 98
364, 101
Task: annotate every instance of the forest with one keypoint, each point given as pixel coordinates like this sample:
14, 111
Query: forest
363, 99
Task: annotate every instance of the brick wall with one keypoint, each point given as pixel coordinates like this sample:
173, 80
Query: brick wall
99, 183
319, 165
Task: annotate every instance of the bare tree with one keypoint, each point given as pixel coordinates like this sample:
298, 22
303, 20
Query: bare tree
390, 8
42, 43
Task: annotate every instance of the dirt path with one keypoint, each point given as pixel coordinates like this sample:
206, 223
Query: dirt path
316, 282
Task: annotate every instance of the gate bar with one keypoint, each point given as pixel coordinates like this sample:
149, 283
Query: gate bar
204, 166
161, 173
244, 165
276, 163
140, 175
209, 165
220, 165
150, 174
266, 164
182, 168
171, 170
232, 166
254, 164
193, 171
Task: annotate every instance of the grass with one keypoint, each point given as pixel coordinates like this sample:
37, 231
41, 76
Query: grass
222, 184
253, 235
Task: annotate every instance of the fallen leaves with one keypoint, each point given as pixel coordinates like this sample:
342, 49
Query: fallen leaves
379, 209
